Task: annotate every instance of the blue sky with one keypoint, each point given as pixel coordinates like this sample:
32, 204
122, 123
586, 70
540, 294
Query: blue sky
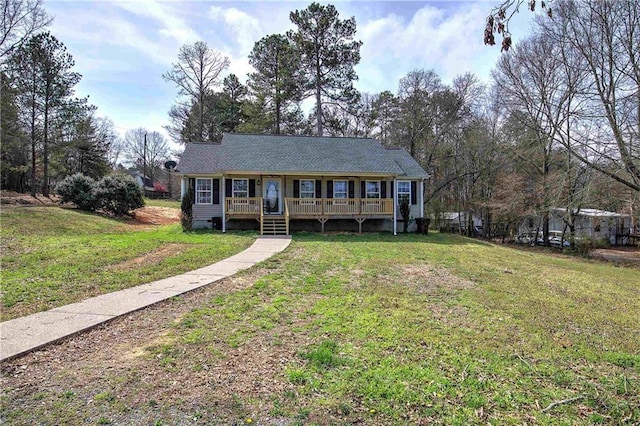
123, 48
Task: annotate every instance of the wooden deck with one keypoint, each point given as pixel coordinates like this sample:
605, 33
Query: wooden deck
321, 209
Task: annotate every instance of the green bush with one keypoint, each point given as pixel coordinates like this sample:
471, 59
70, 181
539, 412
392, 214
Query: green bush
79, 190
119, 194
405, 212
583, 246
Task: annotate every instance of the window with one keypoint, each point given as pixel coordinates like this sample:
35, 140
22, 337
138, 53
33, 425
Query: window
340, 189
307, 189
373, 189
204, 191
404, 191
240, 188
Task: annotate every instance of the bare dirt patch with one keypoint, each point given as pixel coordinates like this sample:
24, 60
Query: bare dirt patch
151, 258
430, 277
12, 198
629, 256
152, 215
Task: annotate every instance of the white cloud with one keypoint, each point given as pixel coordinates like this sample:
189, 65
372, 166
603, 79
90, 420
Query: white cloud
122, 49
99, 31
241, 27
449, 43
172, 25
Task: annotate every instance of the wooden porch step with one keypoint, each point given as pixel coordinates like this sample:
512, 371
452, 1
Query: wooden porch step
274, 226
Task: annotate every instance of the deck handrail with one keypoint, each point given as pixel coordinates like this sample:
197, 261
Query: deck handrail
261, 219
311, 207
243, 206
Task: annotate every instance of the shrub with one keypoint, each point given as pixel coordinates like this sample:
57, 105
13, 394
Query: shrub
119, 194
79, 190
405, 212
186, 207
583, 246
159, 187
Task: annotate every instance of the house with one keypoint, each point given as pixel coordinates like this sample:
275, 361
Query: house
281, 183
589, 223
143, 181
457, 221
150, 188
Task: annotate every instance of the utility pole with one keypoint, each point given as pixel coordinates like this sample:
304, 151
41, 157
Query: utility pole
144, 163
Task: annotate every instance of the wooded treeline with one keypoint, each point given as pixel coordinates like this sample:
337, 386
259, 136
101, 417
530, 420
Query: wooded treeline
558, 126
47, 132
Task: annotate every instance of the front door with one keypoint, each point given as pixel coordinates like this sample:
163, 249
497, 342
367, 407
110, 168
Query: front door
272, 195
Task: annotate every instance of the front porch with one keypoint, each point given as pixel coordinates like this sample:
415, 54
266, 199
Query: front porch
273, 220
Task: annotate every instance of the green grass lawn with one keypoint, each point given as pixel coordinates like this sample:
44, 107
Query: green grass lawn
379, 330
162, 203
53, 256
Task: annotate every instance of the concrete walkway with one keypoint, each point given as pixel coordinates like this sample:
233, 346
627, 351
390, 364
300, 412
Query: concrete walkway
22, 335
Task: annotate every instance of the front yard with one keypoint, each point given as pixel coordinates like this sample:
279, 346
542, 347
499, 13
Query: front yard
370, 329
53, 256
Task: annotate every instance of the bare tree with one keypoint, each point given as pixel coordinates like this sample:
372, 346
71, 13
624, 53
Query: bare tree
144, 148
20, 20
196, 74
602, 38
537, 87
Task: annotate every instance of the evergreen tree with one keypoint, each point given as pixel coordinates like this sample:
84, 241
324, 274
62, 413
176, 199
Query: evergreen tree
277, 81
14, 149
42, 76
328, 54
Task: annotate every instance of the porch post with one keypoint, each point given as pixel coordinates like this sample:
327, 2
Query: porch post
183, 187
421, 198
224, 205
395, 206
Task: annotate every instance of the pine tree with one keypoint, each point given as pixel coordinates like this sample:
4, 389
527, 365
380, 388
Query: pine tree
277, 81
328, 55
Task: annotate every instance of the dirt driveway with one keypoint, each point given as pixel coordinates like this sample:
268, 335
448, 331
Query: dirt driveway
149, 215
629, 256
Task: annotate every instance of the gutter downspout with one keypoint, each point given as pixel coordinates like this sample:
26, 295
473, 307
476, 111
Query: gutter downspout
224, 205
395, 205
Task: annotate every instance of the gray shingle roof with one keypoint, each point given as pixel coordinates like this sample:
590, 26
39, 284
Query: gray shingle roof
407, 163
291, 154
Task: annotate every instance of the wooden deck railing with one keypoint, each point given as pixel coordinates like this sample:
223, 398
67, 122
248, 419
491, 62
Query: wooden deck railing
243, 206
311, 207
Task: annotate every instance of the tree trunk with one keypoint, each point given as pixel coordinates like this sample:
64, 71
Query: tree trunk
318, 99
45, 149
278, 106
318, 111
33, 149
545, 229
201, 117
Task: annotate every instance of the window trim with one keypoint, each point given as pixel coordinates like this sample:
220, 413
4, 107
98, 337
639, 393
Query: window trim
200, 192
239, 200
408, 192
233, 188
366, 190
341, 200
312, 192
306, 200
